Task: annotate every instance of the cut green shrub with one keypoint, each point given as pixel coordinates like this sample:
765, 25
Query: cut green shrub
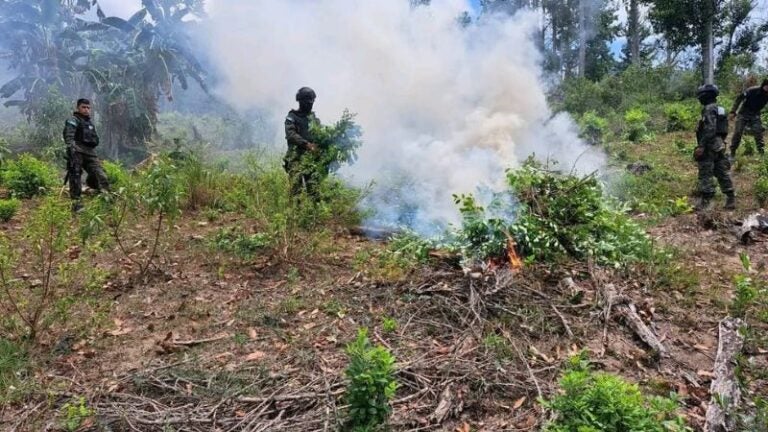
8, 209
600, 402
553, 216
372, 384
28, 176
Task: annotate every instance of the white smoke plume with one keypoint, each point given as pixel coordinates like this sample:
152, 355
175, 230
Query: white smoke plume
444, 109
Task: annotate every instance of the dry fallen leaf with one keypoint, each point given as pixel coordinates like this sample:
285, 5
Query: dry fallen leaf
252, 333
704, 373
255, 356
464, 428
518, 403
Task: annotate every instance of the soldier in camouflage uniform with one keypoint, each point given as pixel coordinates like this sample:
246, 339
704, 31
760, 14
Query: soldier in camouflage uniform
710, 152
81, 139
303, 176
747, 109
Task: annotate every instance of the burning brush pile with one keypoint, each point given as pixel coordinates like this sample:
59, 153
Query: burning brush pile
546, 216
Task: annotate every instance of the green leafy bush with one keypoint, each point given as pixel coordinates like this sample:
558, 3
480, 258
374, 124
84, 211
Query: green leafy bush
8, 209
593, 127
636, 121
680, 116
554, 216
28, 176
117, 176
600, 402
372, 384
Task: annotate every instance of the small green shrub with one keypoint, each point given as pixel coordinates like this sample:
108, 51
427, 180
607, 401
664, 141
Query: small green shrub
593, 127
8, 209
600, 402
680, 117
372, 384
388, 324
636, 121
242, 245
117, 176
28, 176
74, 413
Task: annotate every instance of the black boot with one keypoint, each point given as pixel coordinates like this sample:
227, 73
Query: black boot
703, 204
730, 202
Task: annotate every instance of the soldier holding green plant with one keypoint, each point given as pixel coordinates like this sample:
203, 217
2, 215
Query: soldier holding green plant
314, 150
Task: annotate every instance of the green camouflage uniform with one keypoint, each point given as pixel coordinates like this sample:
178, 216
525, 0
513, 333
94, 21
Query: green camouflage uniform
81, 139
748, 107
714, 162
303, 176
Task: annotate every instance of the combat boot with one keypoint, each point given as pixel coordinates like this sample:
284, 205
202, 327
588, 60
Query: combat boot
703, 204
77, 207
730, 202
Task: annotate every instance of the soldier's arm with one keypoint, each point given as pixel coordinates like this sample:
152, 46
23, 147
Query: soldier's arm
737, 102
70, 128
293, 137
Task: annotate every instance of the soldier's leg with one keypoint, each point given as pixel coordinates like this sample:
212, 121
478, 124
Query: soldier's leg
722, 171
75, 175
706, 183
97, 178
758, 131
738, 133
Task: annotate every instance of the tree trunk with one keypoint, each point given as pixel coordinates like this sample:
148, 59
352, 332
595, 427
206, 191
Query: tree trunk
583, 36
634, 32
707, 49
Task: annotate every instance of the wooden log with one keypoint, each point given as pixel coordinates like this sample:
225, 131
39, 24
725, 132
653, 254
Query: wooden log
627, 311
724, 391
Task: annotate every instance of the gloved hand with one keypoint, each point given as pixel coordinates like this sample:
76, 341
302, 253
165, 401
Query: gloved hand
698, 153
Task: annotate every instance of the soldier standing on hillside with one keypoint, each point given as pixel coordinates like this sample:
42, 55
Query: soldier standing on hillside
303, 176
710, 152
747, 110
81, 139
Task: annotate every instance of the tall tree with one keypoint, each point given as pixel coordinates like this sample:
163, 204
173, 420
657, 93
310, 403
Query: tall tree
633, 31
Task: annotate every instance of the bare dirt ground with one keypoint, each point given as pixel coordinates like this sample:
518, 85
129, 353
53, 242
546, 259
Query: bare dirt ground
214, 343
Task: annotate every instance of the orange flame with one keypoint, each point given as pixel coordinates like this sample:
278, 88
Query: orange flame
515, 262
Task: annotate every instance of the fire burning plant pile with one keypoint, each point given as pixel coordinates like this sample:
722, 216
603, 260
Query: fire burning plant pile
547, 216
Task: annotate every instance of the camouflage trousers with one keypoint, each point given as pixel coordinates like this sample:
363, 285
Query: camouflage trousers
715, 164
752, 124
303, 180
97, 178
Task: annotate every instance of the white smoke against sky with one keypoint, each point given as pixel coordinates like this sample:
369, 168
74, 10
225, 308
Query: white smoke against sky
444, 109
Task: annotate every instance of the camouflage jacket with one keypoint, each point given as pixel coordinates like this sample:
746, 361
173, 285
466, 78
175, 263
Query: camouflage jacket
712, 128
297, 133
80, 134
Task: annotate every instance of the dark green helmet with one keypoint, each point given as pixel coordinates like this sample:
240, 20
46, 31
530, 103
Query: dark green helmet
707, 90
305, 94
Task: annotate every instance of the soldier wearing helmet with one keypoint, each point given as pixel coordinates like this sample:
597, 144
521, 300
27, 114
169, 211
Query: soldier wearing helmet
710, 151
747, 110
303, 178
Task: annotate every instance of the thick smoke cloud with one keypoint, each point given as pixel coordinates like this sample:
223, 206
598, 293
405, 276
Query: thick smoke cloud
445, 109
